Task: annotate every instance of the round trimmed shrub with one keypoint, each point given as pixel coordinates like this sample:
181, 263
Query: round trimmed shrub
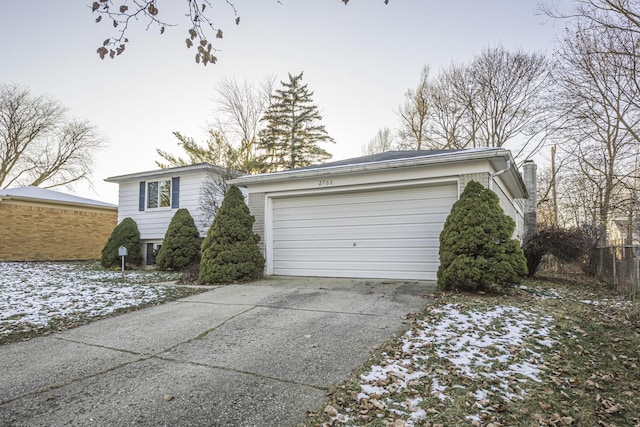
476, 248
124, 234
230, 250
181, 244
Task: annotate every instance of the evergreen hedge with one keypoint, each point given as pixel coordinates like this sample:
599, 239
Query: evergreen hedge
181, 244
124, 234
476, 248
230, 250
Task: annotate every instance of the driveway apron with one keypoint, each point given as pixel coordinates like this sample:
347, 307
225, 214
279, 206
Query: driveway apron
258, 354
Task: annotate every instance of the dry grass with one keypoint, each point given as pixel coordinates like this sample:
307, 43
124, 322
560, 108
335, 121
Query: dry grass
576, 363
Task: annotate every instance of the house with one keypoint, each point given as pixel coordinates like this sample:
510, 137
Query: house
151, 198
45, 225
377, 216
623, 233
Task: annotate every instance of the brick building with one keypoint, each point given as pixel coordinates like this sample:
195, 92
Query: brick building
37, 224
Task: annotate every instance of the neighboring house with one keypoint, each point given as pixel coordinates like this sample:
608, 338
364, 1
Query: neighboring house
377, 216
151, 198
37, 224
621, 233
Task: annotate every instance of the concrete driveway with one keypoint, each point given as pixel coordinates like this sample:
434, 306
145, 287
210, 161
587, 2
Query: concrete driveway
259, 354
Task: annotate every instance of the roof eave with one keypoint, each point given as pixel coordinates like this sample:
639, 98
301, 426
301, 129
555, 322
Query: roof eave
58, 202
459, 156
169, 171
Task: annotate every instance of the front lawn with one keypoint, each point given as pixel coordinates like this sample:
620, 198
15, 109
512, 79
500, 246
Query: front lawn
39, 298
555, 352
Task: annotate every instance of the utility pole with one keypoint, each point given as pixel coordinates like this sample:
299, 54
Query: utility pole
554, 191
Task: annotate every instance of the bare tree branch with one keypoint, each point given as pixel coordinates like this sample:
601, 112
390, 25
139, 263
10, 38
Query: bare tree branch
38, 146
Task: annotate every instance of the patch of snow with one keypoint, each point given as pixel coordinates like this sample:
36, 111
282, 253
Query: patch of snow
35, 294
500, 343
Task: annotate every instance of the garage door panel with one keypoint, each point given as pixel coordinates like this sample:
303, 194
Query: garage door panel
436, 192
356, 209
390, 244
358, 255
344, 267
354, 233
352, 219
388, 233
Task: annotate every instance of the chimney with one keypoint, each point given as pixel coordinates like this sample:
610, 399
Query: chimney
530, 204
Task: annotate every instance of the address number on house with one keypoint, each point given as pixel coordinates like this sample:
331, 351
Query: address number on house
325, 182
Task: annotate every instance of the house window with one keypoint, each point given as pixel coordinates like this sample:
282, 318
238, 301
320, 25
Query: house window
159, 194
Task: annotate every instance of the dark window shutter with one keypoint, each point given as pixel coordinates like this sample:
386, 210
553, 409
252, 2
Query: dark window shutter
142, 196
175, 192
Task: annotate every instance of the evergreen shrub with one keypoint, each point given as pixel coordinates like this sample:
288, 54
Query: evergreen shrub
124, 234
230, 250
181, 244
476, 248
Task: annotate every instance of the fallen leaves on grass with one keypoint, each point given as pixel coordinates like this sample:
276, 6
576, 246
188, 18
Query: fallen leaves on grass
547, 355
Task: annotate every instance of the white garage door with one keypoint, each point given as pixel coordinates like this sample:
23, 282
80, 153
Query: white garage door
389, 233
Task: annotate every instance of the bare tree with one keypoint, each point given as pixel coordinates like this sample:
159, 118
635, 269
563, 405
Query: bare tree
506, 93
601, 106
494, 100
383, 141
448, 126
38, 145
215, 151
618, 23
232, 140
232, 137
238, 110
414, 113
121, 14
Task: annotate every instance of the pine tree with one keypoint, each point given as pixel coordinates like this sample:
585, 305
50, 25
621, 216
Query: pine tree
230, 251
124, 234
293, 130
476, 248
181, 244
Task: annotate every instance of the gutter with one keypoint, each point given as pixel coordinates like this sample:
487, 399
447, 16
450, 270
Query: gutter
469, 155
498, 173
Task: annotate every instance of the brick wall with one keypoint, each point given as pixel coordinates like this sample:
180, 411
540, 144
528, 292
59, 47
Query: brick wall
49, 232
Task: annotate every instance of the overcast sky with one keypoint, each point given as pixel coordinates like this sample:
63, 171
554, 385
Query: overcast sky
358, 60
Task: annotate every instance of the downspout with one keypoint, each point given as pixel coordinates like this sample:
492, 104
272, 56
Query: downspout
498, 173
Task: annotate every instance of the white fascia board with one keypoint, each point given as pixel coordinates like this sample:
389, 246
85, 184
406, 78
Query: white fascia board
472, 154
497, 157
180, 170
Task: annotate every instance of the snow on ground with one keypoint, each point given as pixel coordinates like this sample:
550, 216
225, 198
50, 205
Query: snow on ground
32, 295
492, 354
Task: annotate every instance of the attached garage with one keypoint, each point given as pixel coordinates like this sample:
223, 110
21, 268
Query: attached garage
371, 217
391, 233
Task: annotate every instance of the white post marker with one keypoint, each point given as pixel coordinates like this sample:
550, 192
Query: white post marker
122, 251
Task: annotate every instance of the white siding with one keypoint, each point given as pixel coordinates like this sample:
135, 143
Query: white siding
511, 208
389, 233
153, 223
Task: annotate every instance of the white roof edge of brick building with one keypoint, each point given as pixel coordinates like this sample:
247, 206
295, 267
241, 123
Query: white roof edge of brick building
37, 194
